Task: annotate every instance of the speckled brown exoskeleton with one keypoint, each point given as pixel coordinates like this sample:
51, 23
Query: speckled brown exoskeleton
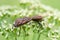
37, 18
21, 21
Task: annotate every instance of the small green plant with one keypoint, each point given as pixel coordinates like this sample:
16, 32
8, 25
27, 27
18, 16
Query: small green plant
31, 30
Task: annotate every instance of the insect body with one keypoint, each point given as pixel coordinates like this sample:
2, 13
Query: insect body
37, 18
21, 21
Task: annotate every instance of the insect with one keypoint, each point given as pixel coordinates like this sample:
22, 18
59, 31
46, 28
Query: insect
37, 18
21, 21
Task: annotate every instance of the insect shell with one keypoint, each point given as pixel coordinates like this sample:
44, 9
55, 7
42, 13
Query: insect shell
21, 21
37, 18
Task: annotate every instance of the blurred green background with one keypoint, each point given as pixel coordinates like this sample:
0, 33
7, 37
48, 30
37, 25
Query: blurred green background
9, 2
52, 3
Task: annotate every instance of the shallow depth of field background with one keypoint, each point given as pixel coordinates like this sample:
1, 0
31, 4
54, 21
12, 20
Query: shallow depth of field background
53, 3
12, 9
